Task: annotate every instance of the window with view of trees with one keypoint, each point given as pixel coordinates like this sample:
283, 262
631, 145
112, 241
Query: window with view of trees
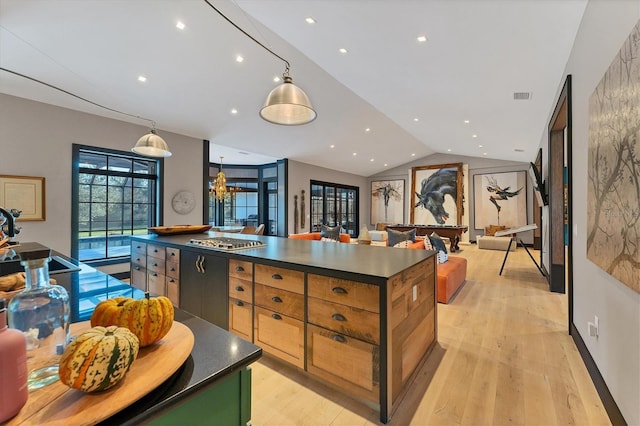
115, 196
334, 204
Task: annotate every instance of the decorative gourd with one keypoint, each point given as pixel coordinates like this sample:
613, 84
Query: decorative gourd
98, 358
106, 312
150, 319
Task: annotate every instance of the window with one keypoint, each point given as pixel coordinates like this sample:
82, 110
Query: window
333, 204
115, 195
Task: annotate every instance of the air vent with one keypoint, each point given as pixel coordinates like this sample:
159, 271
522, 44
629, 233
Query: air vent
521, 96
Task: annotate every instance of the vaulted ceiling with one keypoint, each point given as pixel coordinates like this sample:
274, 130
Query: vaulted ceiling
413, 97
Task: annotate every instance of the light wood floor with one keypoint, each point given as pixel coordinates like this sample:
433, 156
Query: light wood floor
503, 357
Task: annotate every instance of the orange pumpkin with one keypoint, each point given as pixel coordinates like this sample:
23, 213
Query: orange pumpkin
106, 312
150, 319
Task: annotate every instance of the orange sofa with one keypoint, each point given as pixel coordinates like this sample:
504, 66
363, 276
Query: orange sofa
344, 238
451, 274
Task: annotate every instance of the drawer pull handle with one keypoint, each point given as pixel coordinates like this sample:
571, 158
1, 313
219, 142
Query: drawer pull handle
171, 280
276, 276
173, 253
155, 275
339, 338
339, 290
338, 317
239, 303
276, 316
137, 259
239, 269
239, 288
137, 268
155, 250
276, 299
155, 264
172, 269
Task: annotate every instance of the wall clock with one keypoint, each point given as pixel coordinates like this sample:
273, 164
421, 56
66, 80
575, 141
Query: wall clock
183, 202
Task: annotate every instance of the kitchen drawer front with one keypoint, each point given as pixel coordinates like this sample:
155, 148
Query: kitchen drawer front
279, 335
173, 290
350, 293
155, 264
172, 253
172, 267
138, 248
138, 277
155, 251
280, 301
241, 269
241, 318
354, 322
284, 279
156, 283
349, 363
139, 259
241, 289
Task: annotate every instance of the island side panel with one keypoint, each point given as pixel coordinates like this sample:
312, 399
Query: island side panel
411, 326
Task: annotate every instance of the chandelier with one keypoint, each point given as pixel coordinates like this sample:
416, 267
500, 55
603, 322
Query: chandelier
220, 184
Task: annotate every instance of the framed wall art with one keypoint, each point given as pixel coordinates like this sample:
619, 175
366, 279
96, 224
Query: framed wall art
613, 188
387, 201
25, 193
436, 194
500, 199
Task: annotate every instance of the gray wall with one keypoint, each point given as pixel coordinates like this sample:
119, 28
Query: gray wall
36, 140
604, 28
477, 165
300, 176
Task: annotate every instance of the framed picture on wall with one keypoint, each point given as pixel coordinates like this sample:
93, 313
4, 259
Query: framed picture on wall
500, 199
436, 194
387, 201
24, 193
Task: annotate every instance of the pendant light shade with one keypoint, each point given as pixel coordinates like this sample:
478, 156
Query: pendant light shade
288, 105
152, 145
220, 184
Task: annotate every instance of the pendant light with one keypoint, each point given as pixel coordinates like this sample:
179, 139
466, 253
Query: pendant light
149, 145
220, 184
287, 104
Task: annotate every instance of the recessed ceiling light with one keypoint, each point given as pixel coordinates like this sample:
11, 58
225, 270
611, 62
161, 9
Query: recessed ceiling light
474, 136
385, 164
342, 50
310, 20
480, 146
239, 58
421, 38
416, 119
332, 146
484, 153
276, 79
466, 121
519, 150
449, 150
180, 25
142, 78
355, 153
371, 160
367, 129
413, 154
243, 153
234, 111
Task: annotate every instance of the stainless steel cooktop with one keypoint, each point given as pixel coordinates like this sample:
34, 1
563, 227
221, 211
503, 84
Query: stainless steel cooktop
225, 244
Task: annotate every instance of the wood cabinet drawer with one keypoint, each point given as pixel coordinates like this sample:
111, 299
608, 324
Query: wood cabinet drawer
241, 269
241, 289
138, 277
240, 318
138, 248
156, 283
172, 253
280, 301
279, 335
351, 293
285, 279
354, 322
349, 363
155, 264
172, 286
172, 268
139, 259
155, 251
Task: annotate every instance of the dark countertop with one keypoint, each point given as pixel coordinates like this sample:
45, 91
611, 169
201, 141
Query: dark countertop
216, 353
352, 261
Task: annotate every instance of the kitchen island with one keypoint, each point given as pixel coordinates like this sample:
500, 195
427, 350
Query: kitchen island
213, 384
360, 318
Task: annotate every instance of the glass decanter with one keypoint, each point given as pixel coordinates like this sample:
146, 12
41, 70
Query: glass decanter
41, 311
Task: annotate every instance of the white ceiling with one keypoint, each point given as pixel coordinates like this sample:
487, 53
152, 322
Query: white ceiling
478, 53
